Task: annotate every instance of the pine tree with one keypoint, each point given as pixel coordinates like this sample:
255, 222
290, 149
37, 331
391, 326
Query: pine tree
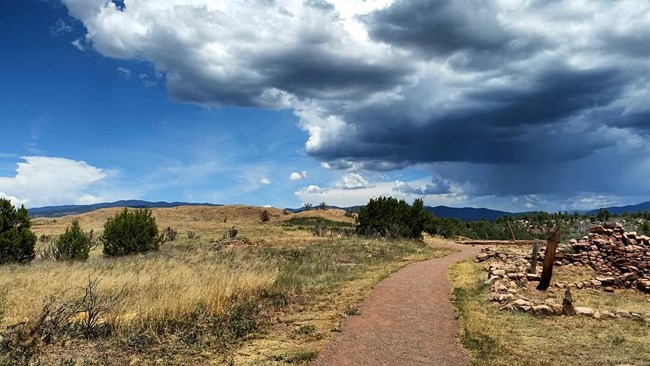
17, 241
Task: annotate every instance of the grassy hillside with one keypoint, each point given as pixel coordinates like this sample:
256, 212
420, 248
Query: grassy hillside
272, 295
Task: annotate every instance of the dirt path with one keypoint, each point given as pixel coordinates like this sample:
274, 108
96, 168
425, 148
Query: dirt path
407, 320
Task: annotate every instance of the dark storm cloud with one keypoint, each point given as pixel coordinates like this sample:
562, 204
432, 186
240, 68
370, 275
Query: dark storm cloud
505, 126
505, 88
461, 140
303, 71
314, 73
439, 27
554, 95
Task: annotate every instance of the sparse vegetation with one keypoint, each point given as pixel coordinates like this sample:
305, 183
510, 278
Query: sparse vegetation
308, 222
95, 306
130, 232
17, 241
168, 234
195, 302
321, 227
188, 297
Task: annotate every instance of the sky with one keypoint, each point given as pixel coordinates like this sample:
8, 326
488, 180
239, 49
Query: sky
516, 105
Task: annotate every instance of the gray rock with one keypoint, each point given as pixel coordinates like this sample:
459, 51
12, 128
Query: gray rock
542, 309
581, 310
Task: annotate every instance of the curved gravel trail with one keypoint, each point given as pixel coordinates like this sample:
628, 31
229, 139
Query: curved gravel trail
407, 320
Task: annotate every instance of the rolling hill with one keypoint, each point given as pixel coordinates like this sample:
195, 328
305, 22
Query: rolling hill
463, 213
57, 211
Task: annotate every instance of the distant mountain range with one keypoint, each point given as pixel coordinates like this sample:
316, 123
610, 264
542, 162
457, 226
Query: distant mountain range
464, 213
467, 213
645, 206
57, 211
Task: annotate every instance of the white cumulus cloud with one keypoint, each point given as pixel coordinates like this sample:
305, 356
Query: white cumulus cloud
353, 181
42, 180
313, 189
265, 181
298, 176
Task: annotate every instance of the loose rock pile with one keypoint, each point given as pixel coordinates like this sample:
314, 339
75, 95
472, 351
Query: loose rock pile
505, 283
621, 258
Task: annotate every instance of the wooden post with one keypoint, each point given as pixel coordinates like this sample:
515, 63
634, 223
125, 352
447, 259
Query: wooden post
533, 258
567, 304
549, 258
512, 232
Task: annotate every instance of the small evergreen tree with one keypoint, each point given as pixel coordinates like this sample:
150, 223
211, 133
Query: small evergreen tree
603, 215
74, 244
17, 241
392, 218
644, 229
130, 232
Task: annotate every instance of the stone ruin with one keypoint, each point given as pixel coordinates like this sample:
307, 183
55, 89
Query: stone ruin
621, 258
507, 279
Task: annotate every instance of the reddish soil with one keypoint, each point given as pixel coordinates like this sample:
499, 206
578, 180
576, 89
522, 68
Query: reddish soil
407, 320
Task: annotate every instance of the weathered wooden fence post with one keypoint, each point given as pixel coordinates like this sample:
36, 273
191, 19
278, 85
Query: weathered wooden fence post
512, 232
533, 258
549, 258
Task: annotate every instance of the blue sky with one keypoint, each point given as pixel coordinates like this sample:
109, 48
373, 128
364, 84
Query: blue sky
510, 105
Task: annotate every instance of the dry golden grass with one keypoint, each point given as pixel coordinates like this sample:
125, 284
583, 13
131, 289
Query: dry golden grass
496, 337
207, 221
199, 218
159, 287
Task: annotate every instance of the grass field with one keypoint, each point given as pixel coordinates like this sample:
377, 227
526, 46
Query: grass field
274, 301
494, 337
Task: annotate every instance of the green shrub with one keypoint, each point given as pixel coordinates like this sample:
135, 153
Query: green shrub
391, 218
264, 216
304, 356
74, 244
130, 232
644, 229
17, 241
169, 234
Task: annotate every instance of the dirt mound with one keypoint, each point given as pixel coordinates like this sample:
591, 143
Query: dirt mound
181, 216
333, 214
201, 218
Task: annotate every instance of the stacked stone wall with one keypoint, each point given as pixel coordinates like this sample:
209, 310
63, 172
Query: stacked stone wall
623, 258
